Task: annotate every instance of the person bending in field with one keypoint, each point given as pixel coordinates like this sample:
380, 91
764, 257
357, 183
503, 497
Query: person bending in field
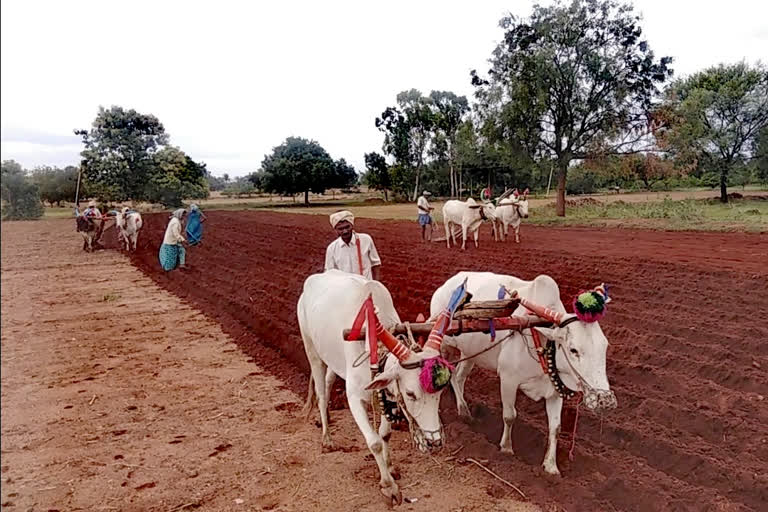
172, 252
352, 252
195, 219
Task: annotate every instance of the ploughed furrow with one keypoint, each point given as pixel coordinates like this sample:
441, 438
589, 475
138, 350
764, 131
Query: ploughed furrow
687, 357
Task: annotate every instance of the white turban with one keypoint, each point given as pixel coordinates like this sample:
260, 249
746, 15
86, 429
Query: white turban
340, 216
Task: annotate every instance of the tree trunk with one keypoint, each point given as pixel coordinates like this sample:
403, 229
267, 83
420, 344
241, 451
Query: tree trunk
723, 187
453, 181
562, 172
386, 200
416, 188
306, 197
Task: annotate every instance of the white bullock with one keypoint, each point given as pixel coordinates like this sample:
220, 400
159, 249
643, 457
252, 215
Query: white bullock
128, 226
469, 215
330, 302
510, 212
579, 358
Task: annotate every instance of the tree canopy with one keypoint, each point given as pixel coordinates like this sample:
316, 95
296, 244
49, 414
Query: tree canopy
572, 80
127, 157
19, 192
377, 176
300, 165
715, 118
58, 185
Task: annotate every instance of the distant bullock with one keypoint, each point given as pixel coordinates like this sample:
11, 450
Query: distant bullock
128, 225
469, 215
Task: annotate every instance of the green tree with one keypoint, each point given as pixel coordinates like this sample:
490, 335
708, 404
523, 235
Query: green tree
718, 114
173, 177
449, 111
377, 177
119, 150
572, 79
342, 175
761, 155
407, 132
19, 192
298, 165
58, 185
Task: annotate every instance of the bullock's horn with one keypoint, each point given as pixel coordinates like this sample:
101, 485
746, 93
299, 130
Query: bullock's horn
395, 346
438, 331
541, 311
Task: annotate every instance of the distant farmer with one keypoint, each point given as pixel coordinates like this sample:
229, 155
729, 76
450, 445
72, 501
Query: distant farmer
92, 213
172, 253
425, 215
195, 220
352, 252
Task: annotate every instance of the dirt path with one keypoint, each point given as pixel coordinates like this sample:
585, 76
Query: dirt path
687, 359
116, 395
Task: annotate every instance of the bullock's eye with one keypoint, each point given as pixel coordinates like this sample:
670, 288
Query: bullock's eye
411, 395
575, 352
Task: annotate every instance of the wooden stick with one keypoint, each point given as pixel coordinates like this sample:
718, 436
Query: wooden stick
497, 477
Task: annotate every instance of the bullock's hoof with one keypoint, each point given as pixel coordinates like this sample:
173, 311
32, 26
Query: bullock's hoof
328, 445
465, 414
395, 472
507, 450
392, 494
551, 469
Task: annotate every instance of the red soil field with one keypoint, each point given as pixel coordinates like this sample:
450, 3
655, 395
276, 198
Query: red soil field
687, 360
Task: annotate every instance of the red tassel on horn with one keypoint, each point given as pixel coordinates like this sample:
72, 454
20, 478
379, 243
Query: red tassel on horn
543, 312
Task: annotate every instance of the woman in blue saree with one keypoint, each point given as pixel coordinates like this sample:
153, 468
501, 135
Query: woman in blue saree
195, 219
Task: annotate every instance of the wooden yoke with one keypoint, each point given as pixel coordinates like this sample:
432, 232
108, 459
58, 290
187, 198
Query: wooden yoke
472, 317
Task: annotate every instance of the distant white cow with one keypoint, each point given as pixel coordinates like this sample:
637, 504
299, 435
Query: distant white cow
580, 353
469, 215
510, 212
330, 302
128, 226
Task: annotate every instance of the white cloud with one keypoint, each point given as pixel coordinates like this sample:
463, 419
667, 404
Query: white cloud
230, 80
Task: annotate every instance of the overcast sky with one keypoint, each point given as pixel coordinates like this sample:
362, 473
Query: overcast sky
231, 80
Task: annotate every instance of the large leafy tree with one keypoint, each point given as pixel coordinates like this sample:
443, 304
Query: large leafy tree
716, 117
57, 185
572, 79
19, 193
300, 165
408, 130
761, 155
377, 176
448, 114
119, 150
174, 176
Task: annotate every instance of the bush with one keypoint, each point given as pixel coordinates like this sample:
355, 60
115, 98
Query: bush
582, 181
20, 194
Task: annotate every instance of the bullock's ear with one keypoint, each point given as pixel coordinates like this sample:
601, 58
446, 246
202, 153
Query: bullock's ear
383, 379
555, 334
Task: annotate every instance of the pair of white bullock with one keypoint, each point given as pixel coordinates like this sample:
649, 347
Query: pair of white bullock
331, 301
469, 215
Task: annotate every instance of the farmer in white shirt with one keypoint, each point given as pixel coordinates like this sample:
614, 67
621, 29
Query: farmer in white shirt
352, 252
425, 217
